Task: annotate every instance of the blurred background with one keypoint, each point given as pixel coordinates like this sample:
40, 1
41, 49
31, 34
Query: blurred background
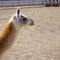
29, 2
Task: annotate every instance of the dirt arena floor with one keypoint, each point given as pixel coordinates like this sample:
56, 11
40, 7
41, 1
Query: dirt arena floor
38, 42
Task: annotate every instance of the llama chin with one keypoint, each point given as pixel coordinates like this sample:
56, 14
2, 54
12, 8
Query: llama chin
9, 32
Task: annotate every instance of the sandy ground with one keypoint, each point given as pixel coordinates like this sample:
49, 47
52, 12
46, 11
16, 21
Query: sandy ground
38, 42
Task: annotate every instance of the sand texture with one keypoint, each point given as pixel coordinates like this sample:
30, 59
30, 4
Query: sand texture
38, 42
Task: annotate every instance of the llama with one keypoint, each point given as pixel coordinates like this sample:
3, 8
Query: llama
10, 30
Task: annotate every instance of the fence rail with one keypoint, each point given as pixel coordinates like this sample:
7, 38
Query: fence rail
19, 2
28, 2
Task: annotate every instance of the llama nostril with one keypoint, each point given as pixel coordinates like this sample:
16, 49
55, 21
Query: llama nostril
32, 23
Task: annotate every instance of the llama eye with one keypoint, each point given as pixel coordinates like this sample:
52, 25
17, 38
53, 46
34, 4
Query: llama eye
24, 19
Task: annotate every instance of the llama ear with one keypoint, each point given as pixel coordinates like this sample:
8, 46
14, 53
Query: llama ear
17, 12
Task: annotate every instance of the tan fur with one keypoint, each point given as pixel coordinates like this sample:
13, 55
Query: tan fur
7, 37
3, 37
6, 31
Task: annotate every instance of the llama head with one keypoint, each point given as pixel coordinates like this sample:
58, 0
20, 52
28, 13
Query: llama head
21, 19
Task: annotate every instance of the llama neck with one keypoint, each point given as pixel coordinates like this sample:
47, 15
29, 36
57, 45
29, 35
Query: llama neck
7, 37
8, 29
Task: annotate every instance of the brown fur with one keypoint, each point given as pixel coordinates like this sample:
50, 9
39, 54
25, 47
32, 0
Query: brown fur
5, 31
5, 37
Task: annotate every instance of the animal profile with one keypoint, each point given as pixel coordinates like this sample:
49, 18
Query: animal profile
10, 30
